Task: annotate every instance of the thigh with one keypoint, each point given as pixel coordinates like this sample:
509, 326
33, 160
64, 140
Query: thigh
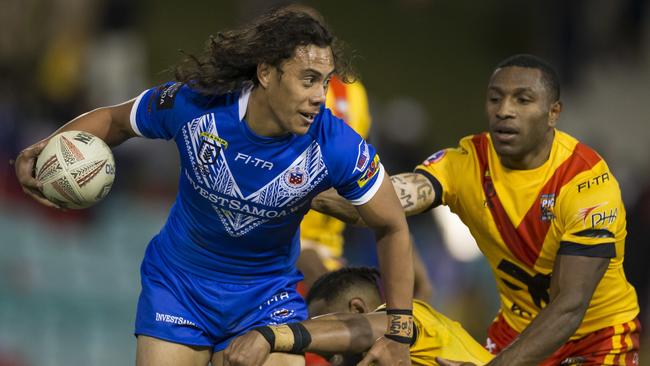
616, 345
157, 352
275, 359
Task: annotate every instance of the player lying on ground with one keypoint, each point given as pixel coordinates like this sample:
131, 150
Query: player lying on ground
355, 318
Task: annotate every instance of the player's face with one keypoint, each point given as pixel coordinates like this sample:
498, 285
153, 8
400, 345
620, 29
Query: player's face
521, 116
297, 90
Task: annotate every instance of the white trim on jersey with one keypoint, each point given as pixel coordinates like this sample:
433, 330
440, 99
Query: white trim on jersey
243, 101
134, 110
371, 192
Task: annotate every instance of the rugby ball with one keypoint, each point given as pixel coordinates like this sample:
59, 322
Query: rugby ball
76, 168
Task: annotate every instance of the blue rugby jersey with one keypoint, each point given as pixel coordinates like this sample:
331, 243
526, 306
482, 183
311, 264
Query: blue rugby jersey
241, 196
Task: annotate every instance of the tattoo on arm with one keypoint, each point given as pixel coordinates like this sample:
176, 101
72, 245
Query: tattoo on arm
414, 191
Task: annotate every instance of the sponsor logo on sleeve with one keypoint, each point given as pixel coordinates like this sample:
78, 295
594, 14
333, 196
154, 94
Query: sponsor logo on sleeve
167, 95
591, 182
436, 157
604, 218
363, 156
583, 213
370, 172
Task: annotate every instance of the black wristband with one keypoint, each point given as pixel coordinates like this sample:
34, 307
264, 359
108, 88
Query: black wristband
399, 339
301, 337
399, 312
268, 334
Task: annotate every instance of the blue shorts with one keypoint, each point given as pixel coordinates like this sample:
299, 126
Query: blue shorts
184, 308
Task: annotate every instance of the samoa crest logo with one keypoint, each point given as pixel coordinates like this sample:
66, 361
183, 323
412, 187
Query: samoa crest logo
296, 177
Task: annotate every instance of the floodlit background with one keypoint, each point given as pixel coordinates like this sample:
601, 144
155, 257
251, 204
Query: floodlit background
69, 281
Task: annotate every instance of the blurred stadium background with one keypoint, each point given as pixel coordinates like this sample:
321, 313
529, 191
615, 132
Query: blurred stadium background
69, 281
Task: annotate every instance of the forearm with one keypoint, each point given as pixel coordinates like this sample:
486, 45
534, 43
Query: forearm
552, 327
395, 257
111, 124
344, 333
101, 123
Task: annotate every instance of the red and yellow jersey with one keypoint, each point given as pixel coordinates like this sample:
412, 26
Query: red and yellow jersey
321, 232
438, 336
522, 219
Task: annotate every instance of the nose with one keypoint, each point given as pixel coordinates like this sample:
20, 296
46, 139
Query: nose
319, 95
505, 109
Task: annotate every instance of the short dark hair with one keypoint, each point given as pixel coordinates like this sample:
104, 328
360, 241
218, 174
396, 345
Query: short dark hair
230, 59
549, 75
331, 285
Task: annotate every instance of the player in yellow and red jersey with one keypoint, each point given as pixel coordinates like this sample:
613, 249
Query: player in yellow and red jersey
547, 213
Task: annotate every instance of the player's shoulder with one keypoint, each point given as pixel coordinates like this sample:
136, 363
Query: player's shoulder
464, 149
178, 95
580, 154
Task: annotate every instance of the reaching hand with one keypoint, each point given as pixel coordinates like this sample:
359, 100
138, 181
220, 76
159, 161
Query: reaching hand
445, 362
386, 352
24, 166
250, 349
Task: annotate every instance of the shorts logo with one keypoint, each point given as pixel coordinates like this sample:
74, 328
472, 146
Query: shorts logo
547, 202
167, 95
282, 314
166, 318
363, 156
370, 172
208, 152
573, 361
436, 157
296, 177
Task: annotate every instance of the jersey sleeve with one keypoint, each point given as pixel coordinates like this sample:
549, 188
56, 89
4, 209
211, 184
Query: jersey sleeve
592, 214
153, 114
445, 169
354, 166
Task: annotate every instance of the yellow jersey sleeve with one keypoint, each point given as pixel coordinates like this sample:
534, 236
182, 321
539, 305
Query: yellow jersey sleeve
444, 168
592, 214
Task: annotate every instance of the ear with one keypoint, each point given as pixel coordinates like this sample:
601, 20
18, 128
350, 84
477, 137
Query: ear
357, 305
554, 113
264, 74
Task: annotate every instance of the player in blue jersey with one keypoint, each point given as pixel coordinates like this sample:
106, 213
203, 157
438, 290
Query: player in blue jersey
256, 144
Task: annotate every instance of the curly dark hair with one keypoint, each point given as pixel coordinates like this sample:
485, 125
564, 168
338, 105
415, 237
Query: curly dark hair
230, 59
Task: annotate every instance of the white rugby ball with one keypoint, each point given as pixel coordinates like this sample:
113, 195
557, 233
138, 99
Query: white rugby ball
76, 168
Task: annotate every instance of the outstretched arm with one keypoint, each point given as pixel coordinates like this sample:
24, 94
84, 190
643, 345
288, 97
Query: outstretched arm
414, 191
329, 334
111, 124
572, 286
